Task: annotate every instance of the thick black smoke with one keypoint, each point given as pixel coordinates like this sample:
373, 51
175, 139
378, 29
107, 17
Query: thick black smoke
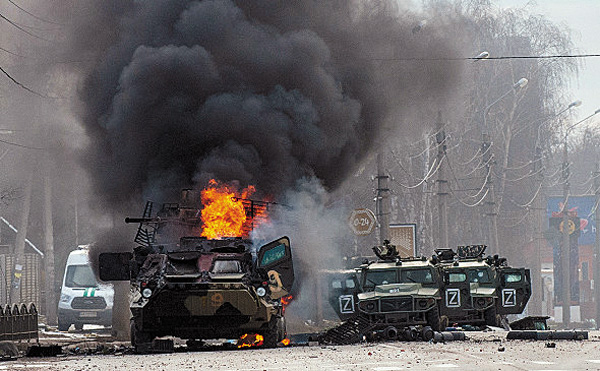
262, 92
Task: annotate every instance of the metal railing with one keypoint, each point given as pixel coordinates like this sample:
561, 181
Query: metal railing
18, 322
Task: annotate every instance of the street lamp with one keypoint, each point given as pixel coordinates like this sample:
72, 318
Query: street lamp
486, 150
516, 86
566, 251
482, 55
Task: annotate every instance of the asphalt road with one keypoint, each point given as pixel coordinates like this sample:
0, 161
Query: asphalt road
482, 352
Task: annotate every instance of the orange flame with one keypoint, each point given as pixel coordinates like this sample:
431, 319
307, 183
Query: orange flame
223, 213
285, 301
250, 340
285, 342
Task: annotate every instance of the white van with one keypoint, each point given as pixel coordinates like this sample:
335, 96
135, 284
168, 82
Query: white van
83, 300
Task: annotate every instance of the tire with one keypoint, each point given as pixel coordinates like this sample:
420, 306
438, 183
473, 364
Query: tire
433, 318
273, 333
140, 340
490, 317
63, 326
78, 326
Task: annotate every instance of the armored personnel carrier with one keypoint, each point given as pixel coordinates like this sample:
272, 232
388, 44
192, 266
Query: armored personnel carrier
408, 298
480, 290
196, 288
394, 298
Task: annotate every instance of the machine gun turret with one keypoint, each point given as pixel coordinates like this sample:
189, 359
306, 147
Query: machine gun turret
386, 251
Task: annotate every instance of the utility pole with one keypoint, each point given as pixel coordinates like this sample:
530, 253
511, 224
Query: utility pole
19, 260
566, 245
442, 183
537, 283
491, 212
596, 264
51, 302
383, 207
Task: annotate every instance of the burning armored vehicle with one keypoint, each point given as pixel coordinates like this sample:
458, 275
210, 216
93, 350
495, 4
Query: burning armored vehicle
198, 288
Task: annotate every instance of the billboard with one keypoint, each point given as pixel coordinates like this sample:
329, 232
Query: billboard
581, 207
404, 237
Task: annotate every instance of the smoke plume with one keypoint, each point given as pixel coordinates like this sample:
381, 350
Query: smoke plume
261, 92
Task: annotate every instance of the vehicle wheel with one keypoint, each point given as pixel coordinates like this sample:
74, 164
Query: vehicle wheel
78, 326
140, 340
63, 326
272, 333
491, 319
433, 318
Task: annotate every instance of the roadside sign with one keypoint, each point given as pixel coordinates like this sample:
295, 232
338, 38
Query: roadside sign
404, 237
362, 222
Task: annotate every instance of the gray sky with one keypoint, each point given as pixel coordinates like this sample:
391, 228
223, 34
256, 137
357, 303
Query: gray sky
583, 18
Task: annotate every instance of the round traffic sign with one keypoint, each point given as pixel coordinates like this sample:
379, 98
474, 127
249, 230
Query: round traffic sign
362, 222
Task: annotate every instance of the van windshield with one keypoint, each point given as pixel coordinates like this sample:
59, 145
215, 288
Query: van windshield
80, 276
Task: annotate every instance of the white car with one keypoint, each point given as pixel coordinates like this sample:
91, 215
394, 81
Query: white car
83, 300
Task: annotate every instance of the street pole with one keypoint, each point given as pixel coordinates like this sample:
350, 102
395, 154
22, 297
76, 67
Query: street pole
537, 283
488, 158
442, 184
565, 251
51, 302
19, 260
491, 204
596, 264
566, 245
383, 209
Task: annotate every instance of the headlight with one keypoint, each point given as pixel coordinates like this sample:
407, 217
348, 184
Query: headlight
261, 291
146, 293
368, 306
64, 298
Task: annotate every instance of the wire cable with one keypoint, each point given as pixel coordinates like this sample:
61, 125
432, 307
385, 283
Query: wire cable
22, 29
33, 15
21, 85
530, 202
519, 222
22, 145
430, 173
553, 56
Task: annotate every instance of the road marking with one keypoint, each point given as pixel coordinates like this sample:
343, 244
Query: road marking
543, 363
593, 360
387, 368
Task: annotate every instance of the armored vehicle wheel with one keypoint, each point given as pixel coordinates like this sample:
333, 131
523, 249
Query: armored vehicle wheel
63, 326
140, 340
491, 319
433, 318
78, 326
274, 332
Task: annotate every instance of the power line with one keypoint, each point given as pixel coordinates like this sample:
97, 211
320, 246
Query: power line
418, 59
22, 145
21, 85
22, 29
33, 15
12, 53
